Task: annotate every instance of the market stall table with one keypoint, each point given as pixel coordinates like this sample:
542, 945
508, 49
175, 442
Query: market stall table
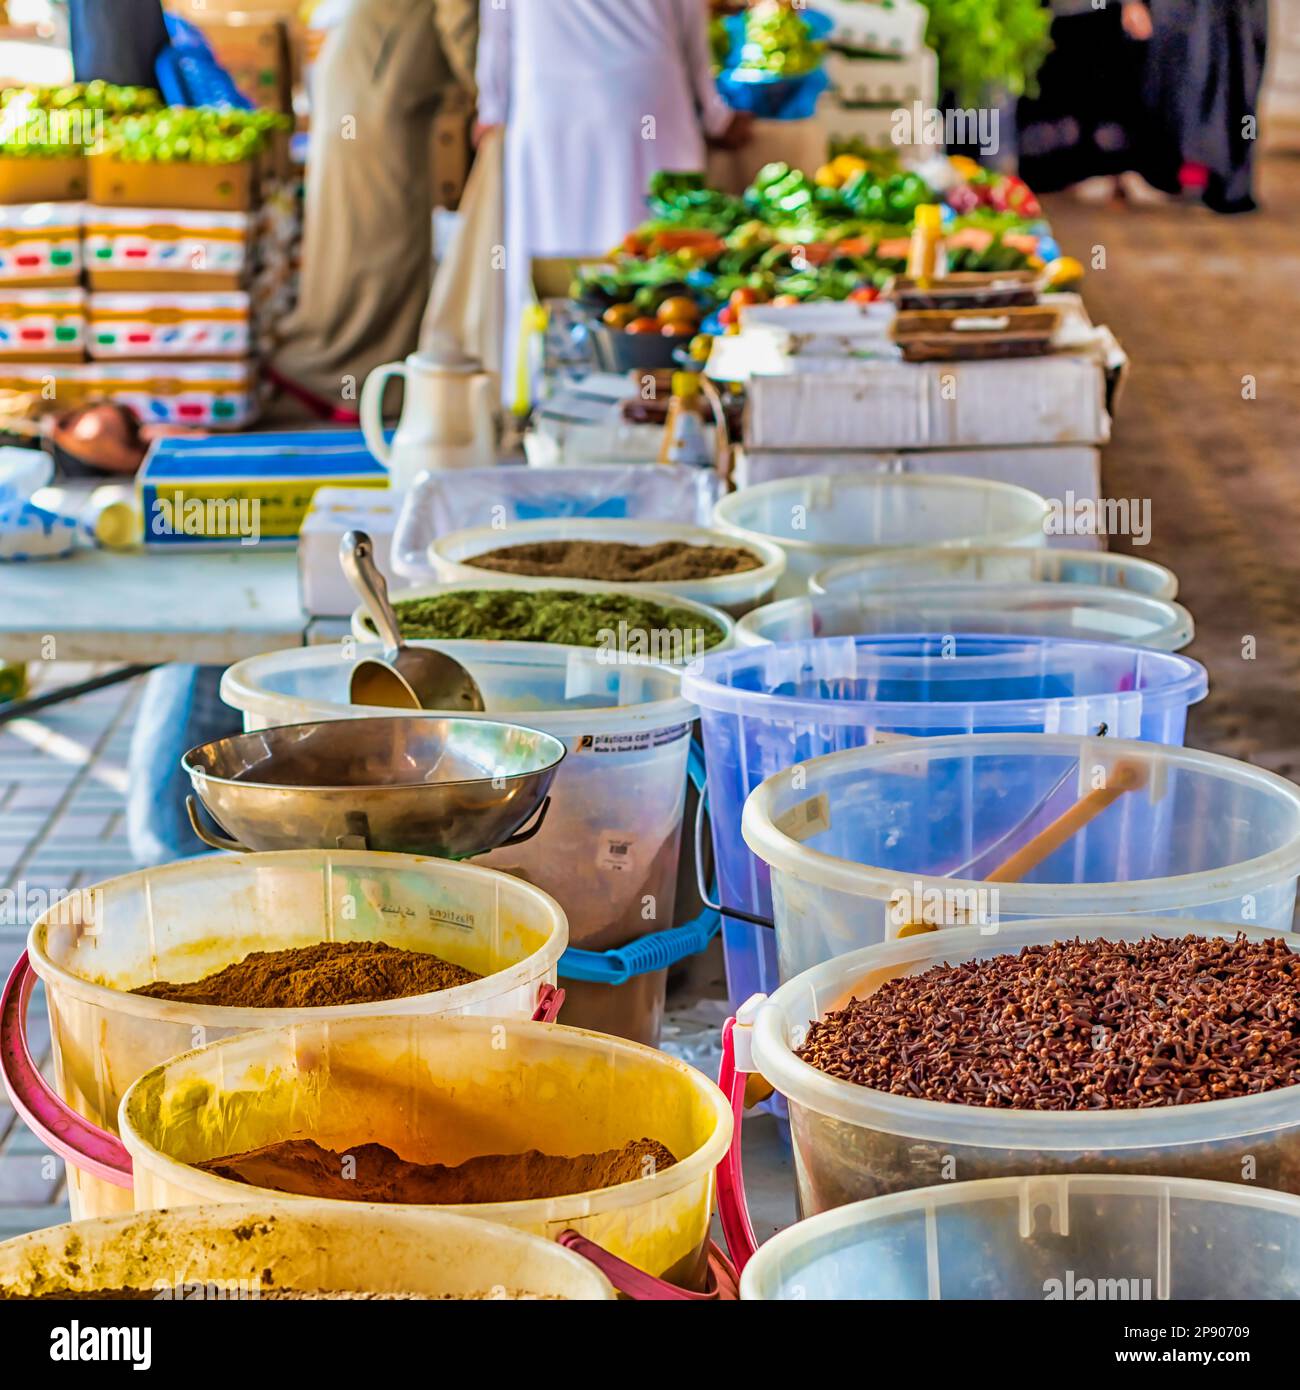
206, 608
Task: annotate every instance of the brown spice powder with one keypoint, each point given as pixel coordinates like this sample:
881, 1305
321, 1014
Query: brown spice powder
374, 1173
310, 977
617, 561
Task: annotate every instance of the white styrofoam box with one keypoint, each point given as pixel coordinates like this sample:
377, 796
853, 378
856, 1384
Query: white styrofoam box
40, 321
828, 404
868, 25
872, 126
890, 82
323, 590
152, 325
40, 241
1052, 471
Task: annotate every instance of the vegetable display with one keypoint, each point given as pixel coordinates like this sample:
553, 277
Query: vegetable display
839, 233
195, 135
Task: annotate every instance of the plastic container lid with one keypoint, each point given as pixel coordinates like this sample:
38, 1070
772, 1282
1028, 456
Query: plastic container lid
734, 592
1056, 1237
1085, 611
986, 564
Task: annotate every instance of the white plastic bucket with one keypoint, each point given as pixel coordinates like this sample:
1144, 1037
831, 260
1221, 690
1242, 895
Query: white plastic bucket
1088, 613
734, 593
608, 847
823, 519
985, 564
248, 1251
853, 838
852, 1142
444, 1091
187, 920
667, 646
1049, 1239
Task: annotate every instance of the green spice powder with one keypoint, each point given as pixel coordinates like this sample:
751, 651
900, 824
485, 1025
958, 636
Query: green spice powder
545, 615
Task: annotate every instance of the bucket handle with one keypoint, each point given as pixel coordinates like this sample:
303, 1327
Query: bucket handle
550, 999
210, 837
643, 1287
52, 1120
518, 838
701, 810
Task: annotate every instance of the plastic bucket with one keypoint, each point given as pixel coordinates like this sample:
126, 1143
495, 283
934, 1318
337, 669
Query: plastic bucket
852, 1142
859, 835
675, 648
608, 848
820, 520
995, 565
733, 593
228, 1252
190, 919
763, 709
443, 1092
1051, 1239
1088, 613
439, 503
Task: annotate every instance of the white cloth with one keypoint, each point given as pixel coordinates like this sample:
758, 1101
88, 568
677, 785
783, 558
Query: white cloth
596, 95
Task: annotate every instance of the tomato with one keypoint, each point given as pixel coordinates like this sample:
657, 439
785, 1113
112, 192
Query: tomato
783, 301
619, 315
643, 325
678, 328
679, 308
865, 294
727, 316
743, 296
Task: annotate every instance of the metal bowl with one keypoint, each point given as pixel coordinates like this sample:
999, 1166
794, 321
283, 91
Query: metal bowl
422, 784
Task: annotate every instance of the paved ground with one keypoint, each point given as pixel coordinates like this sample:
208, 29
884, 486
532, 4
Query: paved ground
1208, 310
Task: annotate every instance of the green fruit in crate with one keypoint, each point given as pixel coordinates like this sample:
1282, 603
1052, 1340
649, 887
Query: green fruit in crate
13, 682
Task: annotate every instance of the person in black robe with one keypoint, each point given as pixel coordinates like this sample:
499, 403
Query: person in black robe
1205, 63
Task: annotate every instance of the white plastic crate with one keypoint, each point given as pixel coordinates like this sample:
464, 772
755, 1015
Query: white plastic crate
877, 26
857, 81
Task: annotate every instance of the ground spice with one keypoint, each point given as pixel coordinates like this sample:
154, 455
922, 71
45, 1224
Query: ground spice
547, 615
374, 1173
309, 977
617, 561
1078, 1025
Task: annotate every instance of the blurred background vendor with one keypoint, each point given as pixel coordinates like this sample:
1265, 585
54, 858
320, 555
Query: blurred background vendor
596, 96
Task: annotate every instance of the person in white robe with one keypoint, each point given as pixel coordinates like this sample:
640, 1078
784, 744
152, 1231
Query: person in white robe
596, 96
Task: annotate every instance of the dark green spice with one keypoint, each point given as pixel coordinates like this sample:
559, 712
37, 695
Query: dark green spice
553, 615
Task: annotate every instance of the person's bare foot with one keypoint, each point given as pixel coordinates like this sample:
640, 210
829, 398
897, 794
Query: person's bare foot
1101, 189
1140, 193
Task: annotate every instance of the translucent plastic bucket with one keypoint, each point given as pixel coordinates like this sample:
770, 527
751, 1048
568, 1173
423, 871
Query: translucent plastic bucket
439, 503
852, 1142
249, 1251
187, 920
1088, 613
859, 835
733, 593
1054, 1239
763, 709
444, 1092
673, 648
995, 565
609, 845
820, 520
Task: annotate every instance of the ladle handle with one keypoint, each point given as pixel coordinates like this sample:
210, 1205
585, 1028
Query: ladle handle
357, 556
210, 837
51, 1120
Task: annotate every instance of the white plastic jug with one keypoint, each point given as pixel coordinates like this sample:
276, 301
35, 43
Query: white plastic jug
448, 414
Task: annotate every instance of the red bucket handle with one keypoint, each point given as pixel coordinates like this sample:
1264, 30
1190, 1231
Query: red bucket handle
52, 1120
648, 1288
550, 998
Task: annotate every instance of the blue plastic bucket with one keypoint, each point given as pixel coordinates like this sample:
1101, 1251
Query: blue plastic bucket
766, 708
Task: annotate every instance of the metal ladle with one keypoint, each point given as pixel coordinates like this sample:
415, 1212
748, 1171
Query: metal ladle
406, 677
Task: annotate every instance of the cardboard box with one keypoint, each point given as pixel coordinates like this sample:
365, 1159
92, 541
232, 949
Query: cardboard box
207, 395
40, 244
43, 325
800, 144
205, 187
1051, 471
168, 326
1058, 399
269, 479
165, 248
36, 180
450, 154
322, 586
254, 50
